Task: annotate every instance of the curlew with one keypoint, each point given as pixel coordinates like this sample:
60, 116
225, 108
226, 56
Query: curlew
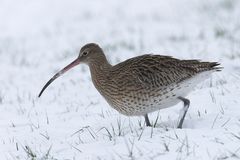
142, 84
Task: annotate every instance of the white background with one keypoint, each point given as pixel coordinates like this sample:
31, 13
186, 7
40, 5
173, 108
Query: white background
72, 121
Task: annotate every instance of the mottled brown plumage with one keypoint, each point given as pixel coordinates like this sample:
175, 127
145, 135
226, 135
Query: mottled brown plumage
142, 84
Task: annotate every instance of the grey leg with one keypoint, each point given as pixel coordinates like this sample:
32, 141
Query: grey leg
148, 124
183, 112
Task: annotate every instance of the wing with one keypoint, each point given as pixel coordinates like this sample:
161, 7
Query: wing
157, 70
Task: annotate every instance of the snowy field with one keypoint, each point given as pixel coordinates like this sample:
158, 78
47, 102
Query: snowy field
71, 121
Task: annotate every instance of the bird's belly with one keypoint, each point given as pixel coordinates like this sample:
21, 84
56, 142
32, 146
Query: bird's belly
149, 103
146, 101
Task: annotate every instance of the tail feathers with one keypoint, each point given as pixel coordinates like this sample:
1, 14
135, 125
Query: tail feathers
215, 66
198, 66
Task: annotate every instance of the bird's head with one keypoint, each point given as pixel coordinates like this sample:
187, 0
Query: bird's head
88, 54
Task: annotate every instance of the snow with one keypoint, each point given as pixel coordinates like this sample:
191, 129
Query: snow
72, 121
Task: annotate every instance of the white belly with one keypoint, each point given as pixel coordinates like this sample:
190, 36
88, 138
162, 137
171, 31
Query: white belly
170, 98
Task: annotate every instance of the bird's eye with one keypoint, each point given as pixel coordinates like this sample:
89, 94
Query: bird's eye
84, 53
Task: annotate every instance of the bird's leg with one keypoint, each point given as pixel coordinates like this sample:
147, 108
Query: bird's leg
148, 124
183, 111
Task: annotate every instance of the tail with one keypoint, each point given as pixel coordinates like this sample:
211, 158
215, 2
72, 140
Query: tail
215, 66
199, 66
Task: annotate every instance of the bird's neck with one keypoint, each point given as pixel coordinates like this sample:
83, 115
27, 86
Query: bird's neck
99, 71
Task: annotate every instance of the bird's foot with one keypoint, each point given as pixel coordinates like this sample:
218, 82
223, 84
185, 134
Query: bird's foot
148, 124
183, 111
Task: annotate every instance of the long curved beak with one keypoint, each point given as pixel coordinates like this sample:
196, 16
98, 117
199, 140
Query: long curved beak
68, 67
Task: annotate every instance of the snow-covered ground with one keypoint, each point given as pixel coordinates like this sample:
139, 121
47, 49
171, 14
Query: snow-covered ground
71, 121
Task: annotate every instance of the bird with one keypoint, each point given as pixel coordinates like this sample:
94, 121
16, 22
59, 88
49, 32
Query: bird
142, 84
